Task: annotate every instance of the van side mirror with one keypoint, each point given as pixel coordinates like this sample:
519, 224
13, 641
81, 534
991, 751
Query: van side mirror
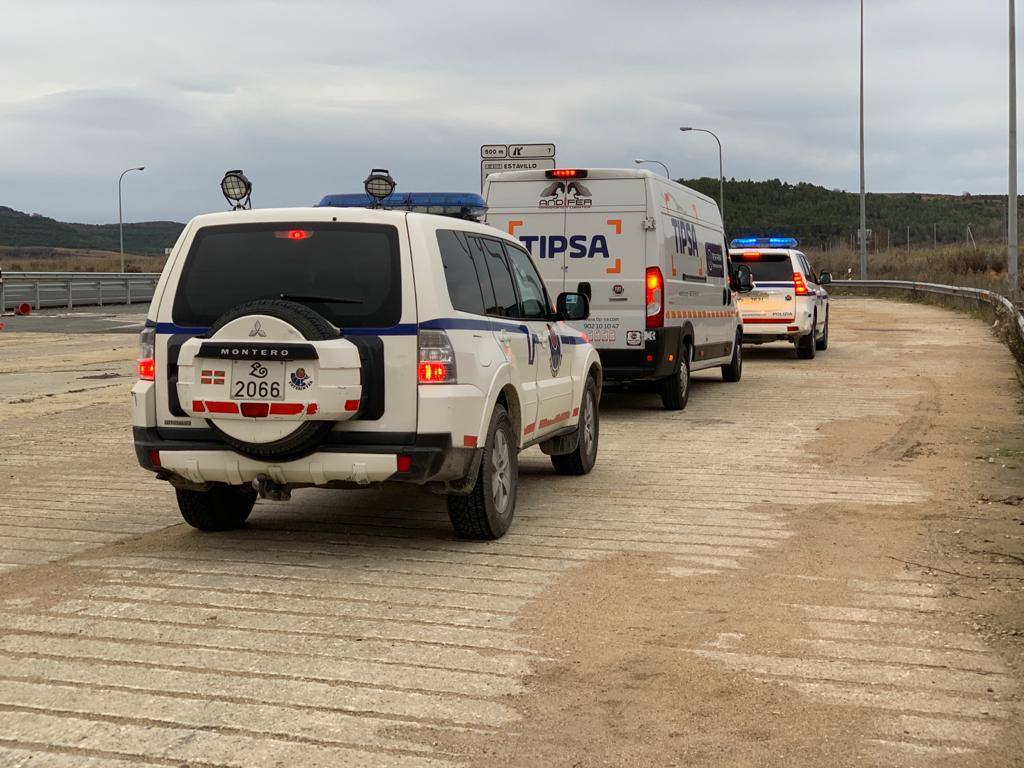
742, 279
572, 307
824, 278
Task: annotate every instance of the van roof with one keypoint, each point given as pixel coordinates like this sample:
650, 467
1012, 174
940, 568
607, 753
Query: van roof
603, 174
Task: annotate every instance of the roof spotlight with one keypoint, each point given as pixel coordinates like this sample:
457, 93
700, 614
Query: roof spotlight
237, 189
379, 185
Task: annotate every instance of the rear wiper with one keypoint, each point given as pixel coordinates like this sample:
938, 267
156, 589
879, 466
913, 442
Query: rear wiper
319, 299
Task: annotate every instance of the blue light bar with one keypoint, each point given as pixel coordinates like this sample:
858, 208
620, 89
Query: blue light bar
442, 203
764, 242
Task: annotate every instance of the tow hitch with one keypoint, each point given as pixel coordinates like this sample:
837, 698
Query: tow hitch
268, 489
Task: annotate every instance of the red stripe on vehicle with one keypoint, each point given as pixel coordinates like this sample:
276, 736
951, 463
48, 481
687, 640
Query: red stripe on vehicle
351, 405
286, 409
219, 406
311, 409
575, 412
529, 428
469, 441
198, 407
548, 422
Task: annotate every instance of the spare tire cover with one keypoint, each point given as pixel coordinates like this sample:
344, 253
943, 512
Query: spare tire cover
287, 378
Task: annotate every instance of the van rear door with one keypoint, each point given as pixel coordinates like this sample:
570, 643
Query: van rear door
606, 257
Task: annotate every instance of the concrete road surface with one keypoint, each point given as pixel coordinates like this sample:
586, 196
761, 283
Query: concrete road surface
818, 566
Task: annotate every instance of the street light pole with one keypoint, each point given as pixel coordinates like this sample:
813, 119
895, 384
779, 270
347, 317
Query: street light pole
639, 160
1012, 246
863, 196
120, 217
721, 171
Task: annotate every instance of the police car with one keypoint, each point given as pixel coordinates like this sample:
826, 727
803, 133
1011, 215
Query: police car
356, 342
789, 301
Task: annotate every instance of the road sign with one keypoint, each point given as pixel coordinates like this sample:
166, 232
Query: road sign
522, 151
493, 151
487, 167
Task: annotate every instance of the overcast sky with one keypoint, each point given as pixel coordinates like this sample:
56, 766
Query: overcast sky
307, 96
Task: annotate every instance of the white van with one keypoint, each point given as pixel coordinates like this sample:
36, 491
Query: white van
649, 253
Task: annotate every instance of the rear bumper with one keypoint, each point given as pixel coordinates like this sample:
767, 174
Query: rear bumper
647, 362
344, 458
758, 330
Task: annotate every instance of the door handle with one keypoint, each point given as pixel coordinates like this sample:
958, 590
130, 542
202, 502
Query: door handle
536, 339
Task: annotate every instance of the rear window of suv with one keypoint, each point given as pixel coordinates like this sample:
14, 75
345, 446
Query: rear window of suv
767, 267
229, 265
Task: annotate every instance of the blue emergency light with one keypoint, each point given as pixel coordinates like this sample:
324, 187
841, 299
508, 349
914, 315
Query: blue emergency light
764, 242
461, 204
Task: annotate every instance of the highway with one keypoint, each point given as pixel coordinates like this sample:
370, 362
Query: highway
818, 566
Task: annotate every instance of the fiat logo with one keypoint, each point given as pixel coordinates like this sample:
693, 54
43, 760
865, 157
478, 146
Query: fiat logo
618, 290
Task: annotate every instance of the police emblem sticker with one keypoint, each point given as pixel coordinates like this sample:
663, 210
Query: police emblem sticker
555, 345
634, 338
300, 379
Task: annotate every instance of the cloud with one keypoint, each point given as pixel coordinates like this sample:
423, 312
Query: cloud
307, 96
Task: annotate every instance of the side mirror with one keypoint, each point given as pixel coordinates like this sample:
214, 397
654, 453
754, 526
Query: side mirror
824, 278
572, 307
742, 279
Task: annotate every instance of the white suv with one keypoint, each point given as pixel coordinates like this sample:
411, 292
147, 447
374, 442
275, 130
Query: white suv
342, 346
789, 301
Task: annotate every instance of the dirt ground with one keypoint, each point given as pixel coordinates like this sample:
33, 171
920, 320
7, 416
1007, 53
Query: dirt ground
642, 668
821, 565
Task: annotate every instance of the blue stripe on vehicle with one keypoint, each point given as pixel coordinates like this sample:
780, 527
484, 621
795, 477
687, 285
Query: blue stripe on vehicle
402, 329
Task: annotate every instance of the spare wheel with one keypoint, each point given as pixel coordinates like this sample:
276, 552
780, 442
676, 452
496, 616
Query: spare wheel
271, 378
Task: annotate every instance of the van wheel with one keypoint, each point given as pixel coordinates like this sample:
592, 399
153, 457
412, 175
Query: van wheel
675, 389
734, 370
486, 513
805, 344
582, 460
822, 343
222, 508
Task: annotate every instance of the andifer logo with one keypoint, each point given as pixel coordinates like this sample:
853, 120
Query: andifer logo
558, 194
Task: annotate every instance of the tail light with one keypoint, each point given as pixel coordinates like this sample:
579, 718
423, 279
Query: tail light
147, 354
655, 298
436, 359
801, 286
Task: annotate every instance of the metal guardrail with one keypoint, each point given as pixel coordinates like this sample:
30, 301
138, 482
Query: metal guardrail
999, 302
75, 289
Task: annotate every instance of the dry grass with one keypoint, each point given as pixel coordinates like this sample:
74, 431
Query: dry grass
981, 267
40, 259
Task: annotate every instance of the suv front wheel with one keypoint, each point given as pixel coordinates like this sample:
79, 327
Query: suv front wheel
486, 513
222, 508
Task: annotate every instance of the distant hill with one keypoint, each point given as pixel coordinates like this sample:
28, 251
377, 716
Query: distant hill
23, 229
822, 217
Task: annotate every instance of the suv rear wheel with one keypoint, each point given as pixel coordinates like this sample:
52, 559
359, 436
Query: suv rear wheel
805, 345
582, 460
222, 508
486, 513
822, 343
675, 389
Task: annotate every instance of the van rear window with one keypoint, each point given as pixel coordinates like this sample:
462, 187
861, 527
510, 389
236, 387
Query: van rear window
767, 267
230, 265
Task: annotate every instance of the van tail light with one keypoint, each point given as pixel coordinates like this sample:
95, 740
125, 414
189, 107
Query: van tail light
436, 359
655, 284
801, 286
147, 354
